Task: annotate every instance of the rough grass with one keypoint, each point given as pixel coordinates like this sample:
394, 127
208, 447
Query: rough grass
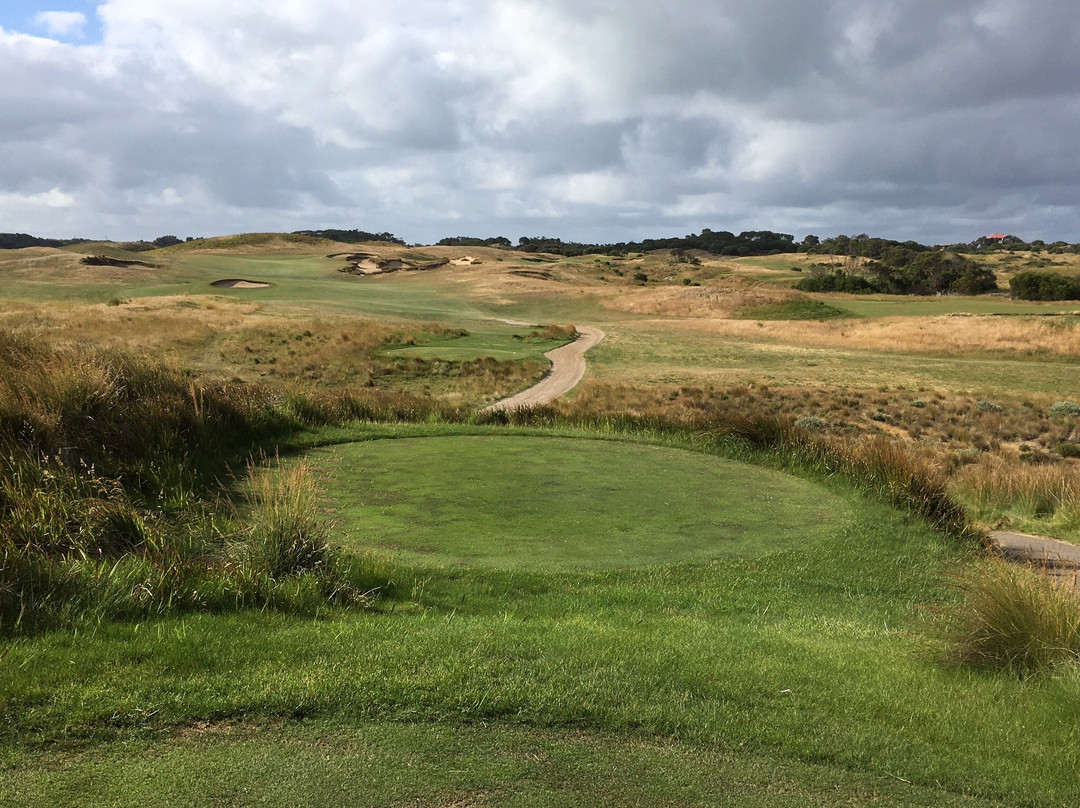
1013, 617
805, 657
235, 340
796, 310
109, 505
1043, 497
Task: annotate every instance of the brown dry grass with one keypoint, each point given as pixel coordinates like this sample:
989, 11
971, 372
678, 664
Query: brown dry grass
64, 268
947, 335
228, 339
997, 485
960, 426
722, 298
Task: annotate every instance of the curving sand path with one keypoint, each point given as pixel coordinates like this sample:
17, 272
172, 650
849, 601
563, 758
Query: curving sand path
567, 369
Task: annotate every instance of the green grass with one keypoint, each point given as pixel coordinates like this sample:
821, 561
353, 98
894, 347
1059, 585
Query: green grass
803, 309
499, 342
802, 669
565, 503
643, 667
810, 657
381, 763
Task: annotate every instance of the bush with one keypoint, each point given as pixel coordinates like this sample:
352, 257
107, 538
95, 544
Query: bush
1044, 286
1070, 408
836, 281
811, 423
989, 406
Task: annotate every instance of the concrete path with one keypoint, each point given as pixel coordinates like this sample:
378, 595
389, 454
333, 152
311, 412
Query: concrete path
567, 369
1059, 558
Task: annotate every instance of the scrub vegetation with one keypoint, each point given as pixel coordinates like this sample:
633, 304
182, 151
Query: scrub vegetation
288, 560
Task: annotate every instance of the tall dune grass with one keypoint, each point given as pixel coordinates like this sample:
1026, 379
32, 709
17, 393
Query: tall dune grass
995, 489
109, 501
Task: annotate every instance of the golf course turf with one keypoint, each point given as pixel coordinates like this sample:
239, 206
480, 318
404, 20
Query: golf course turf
556, 503
799, 672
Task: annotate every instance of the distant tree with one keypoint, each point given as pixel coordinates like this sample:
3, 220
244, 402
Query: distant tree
351, 236
471, 241
166, 241
18, 241
1044, 286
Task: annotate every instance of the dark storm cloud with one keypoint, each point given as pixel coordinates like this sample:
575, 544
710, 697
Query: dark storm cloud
936, 120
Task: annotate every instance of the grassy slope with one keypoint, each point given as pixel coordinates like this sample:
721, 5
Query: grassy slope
672, 353
806, 661
637, 351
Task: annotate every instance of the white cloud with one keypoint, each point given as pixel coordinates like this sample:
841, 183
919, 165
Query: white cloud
61, 23
576, 117
54, 198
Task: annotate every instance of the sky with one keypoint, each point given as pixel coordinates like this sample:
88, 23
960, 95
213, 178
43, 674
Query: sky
589, 120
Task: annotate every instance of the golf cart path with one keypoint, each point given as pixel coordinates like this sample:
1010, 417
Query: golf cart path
567, 369
1058, 558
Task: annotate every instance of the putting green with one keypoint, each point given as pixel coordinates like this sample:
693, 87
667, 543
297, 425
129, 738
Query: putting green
511, 502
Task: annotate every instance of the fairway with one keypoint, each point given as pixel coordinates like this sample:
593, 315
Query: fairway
558, 503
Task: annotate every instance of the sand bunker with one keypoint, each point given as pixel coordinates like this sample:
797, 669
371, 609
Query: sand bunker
239, 283
382, 266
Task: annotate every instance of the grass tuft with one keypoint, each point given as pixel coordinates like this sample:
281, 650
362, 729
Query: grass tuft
287, 535
1013, 617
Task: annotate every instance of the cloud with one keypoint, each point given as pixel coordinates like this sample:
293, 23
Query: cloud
61, 23
938, 118
53, 198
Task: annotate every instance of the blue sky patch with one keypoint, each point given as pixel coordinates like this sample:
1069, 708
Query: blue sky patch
54, 19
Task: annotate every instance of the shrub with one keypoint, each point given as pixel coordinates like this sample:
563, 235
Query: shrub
108, 492
989, 406
836, 281
1070, 408
1067, 449
1044, 286
810, 422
